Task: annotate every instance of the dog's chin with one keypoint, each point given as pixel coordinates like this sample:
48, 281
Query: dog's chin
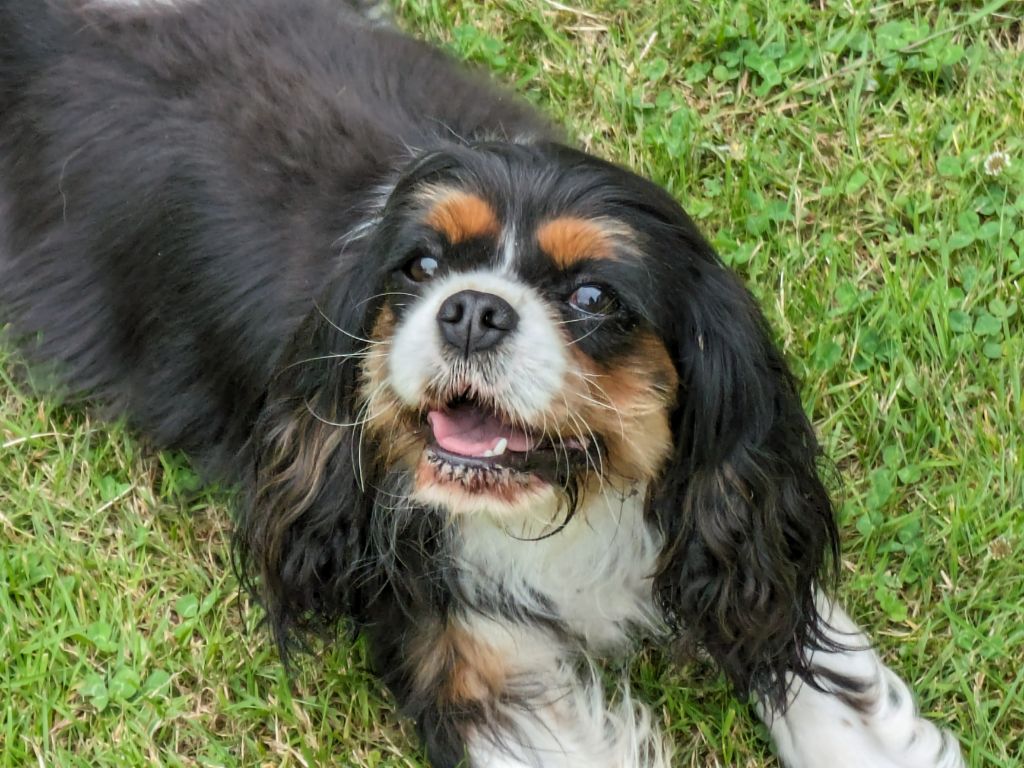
476, 460
494, 492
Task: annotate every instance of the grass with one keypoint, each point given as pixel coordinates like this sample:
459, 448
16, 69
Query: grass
835, 152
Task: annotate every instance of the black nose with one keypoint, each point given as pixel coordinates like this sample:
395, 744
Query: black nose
472, 321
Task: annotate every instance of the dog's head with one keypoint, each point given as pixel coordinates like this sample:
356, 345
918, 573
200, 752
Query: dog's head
526, 326
517, 356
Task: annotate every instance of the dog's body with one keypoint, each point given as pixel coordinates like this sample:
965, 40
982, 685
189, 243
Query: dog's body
490, 399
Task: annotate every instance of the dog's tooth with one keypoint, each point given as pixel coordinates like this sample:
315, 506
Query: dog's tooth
496, 450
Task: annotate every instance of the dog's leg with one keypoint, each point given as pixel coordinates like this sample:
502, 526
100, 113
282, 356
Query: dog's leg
557, 716
866, 716
507, 695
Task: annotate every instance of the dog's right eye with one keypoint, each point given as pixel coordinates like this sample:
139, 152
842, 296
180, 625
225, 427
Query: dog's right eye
420, 268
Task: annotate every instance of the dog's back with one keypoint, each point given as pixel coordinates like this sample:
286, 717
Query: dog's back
26, 30
176, 183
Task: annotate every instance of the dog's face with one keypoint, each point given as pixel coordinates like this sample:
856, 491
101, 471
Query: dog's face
516, 359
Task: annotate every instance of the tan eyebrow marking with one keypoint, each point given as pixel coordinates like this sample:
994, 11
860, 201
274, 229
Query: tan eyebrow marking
569, 239
461, 216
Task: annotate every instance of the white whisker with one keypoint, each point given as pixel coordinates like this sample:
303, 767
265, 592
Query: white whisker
339, 329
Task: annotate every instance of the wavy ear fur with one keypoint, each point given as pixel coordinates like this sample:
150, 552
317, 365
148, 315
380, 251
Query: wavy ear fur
302, 533
748, 523
308, 542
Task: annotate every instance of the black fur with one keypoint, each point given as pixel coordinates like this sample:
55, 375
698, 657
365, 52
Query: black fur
233, 146
750, 526
191, 222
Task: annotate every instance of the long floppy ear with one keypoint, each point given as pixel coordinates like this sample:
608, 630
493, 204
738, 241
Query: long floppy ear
749, 526
303, 542
302, 531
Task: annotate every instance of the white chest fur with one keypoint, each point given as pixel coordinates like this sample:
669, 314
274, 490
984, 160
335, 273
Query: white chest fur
595, 575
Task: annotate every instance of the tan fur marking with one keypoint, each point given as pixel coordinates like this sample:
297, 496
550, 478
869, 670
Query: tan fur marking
459, 666
461, 216
628, 404
388, 423
568, 239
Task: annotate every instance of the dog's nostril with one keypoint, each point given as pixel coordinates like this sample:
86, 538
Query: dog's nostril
451, 312
472, 321
502, 317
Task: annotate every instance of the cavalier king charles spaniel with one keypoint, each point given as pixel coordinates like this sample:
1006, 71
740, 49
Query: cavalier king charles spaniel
490, 401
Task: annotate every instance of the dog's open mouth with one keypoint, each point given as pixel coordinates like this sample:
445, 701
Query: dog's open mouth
467, 432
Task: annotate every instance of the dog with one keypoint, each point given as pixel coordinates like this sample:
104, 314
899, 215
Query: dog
488, 400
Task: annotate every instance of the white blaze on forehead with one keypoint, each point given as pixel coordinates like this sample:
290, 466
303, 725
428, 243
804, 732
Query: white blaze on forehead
508, 248
526, 370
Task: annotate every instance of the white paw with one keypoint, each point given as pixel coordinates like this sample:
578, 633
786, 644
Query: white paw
871, 724
832, 730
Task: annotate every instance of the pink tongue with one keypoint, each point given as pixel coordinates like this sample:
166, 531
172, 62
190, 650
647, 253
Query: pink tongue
471, 431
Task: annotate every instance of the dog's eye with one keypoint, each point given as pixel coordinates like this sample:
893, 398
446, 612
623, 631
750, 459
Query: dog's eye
420, 268
594, 300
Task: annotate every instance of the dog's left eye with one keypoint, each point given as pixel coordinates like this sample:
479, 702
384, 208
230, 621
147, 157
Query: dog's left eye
420, 268
594, 300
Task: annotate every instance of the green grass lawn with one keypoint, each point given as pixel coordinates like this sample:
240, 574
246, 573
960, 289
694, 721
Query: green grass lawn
835, 152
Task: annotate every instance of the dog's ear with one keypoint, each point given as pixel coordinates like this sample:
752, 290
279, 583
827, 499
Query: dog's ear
302, 543
749, 526
302, 531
